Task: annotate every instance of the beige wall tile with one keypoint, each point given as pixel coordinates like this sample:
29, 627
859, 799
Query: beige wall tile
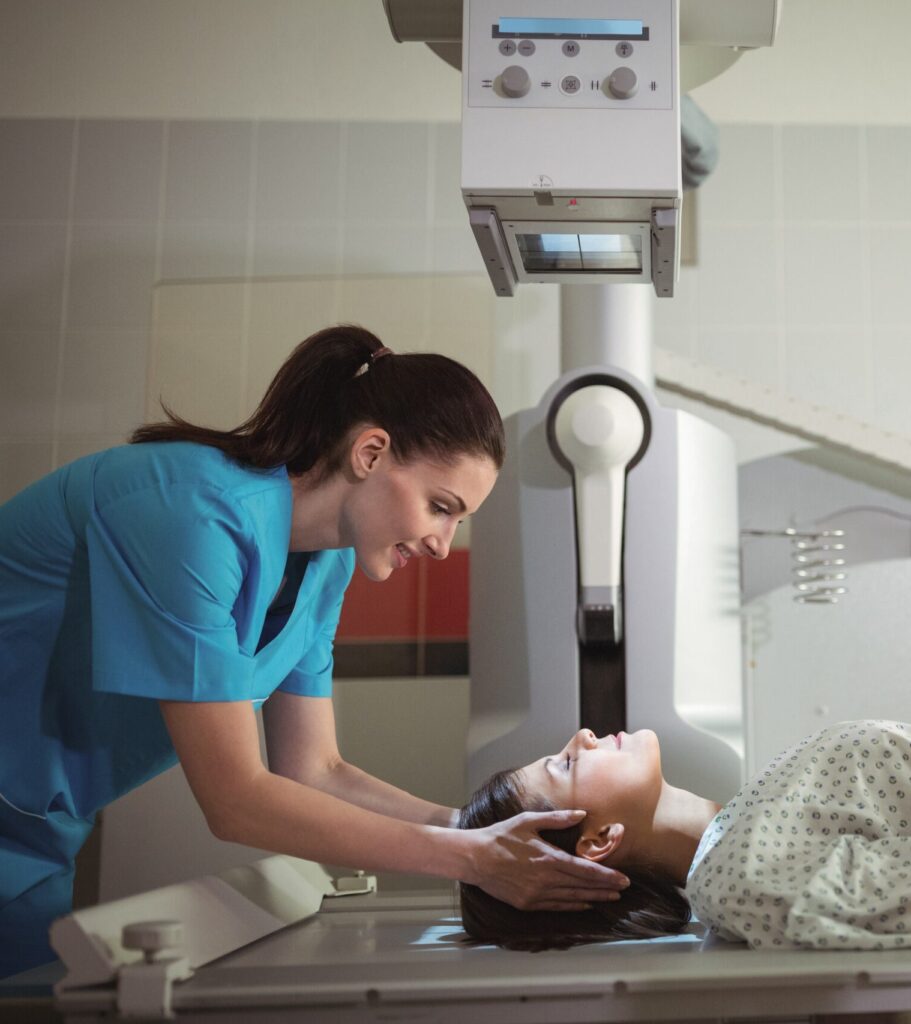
198, 306
282, 314
394, 308
462, 321
199, 374
21, 463
78, 445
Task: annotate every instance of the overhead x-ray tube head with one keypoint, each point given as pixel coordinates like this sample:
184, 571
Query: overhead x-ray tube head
571, 141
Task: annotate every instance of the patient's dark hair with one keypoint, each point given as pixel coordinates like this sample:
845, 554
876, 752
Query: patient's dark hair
653, 905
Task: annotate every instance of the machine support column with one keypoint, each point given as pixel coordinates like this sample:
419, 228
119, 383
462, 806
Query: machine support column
607, 325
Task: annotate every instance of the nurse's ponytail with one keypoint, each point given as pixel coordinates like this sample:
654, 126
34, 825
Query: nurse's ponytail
344, 377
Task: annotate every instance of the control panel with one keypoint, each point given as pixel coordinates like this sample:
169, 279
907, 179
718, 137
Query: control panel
587, 57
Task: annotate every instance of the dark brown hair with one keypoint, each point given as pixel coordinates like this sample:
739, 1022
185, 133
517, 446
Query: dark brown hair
430, 405
652, 905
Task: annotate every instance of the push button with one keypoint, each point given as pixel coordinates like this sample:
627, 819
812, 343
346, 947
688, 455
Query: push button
515, 82
622, 84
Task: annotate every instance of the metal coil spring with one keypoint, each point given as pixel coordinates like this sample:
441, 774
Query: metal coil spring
816, 565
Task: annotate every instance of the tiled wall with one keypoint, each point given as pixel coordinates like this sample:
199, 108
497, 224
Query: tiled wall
803, 238
95, 214
804, 267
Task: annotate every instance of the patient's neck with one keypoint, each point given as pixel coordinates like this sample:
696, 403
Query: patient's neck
680, 819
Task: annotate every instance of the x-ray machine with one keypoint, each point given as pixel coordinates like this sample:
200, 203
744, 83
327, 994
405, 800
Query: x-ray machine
611, 546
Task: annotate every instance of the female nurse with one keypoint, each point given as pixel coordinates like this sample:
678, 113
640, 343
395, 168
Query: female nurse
152, 596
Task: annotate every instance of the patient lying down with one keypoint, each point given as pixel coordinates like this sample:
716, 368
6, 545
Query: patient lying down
814, 852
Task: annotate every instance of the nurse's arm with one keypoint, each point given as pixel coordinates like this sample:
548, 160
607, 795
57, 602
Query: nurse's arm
301, 744
243, 802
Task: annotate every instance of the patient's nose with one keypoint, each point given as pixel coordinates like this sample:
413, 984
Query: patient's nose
584, 739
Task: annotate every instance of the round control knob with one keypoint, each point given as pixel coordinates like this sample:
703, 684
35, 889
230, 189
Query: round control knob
622, 84
153, 937
515, 82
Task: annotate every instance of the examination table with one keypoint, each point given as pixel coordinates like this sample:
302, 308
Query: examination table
280, 940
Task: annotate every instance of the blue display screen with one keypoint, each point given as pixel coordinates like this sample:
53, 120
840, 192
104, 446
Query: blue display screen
571, 28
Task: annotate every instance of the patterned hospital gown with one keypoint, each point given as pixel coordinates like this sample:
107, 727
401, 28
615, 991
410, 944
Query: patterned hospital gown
815, 851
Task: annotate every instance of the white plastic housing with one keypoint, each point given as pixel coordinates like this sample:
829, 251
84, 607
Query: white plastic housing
599, 430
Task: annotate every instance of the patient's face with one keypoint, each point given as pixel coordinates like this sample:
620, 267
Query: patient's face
614, 779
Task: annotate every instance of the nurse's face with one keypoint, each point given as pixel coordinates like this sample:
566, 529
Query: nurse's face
615, 779
401, 511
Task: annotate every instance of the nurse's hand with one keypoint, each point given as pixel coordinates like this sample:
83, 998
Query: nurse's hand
514, 864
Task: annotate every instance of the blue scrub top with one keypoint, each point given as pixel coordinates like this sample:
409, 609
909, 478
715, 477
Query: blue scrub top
139, 574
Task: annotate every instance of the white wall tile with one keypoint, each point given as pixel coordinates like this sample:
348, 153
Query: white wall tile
390, 248
453, 250
526, 352
395, 308
446, 183
22, 463
888, 160
824, 275
282, 314
681, 340
198, 371
35, 162
298, 172
32, 261
28, 380
208, 170
118, 170
892, 378
890, 274
199, 374
386, 173
112, 268
104, 376
738, 275
288, 248
821, 172
826, 366
742, 186
204, 249
462, 322
198, 306
77, 446
750, 353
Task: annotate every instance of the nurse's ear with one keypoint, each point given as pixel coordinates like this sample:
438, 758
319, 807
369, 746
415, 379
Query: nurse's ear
601, 844
368, 450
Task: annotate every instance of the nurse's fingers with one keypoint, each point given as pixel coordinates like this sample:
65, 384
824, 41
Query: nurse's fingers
573, 899
584, 874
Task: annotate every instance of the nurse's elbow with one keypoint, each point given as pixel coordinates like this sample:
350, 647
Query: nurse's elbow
226, 822
221, 828
220, 825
